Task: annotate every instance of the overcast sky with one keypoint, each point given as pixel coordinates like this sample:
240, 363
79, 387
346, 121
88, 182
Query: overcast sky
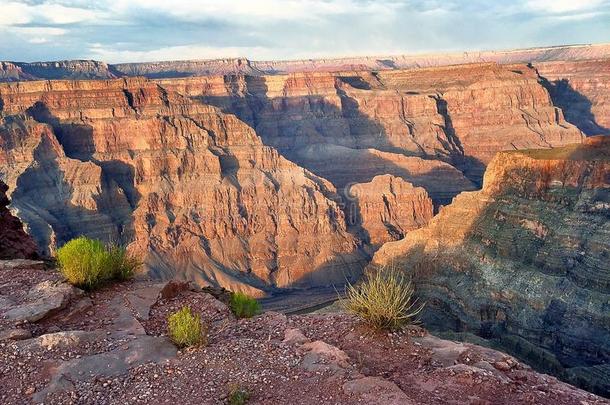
146, 30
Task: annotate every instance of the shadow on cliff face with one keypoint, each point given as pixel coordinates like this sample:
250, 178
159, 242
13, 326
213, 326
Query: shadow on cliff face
308, 129
575, 106
530, 275
112, 221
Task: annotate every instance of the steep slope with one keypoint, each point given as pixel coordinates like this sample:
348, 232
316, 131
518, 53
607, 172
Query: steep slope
192, 188
524, 262
15, 243
582, 90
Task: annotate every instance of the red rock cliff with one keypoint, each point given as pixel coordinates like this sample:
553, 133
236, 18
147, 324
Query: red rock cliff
192, 188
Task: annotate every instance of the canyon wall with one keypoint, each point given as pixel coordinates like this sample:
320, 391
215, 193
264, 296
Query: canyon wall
191, 188
582, 90
524, 262
15, 243
460, 115
257, 181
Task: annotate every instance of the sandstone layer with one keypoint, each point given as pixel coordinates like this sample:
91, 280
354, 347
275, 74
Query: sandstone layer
154, 164
460, 115
388, 207
582, 90
524, 262
191, 188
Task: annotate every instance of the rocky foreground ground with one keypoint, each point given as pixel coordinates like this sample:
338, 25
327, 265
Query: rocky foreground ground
61, 345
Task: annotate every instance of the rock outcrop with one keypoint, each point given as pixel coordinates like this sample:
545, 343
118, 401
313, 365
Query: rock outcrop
191, 188
15, 243
65, 69
460, 115
524, 262
388, 207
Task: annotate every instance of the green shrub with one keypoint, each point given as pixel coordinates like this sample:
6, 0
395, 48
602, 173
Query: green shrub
87, 263
384, 300
237, 395
122, 264
243, 306
185, 328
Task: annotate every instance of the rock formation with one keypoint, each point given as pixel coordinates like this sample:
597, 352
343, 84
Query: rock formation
193, 189
582, 90
524, 262
65, 69
388, 207
153, 164
461, 115
15, 243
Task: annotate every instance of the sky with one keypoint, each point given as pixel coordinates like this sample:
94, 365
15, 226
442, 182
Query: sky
149, 30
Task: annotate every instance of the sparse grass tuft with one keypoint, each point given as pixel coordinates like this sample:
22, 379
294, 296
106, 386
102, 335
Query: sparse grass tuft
244, 306
87, 263
238, 395
185, 328
384, 300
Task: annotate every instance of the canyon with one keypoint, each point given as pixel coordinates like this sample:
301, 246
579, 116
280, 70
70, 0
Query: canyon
483, 175
262, 182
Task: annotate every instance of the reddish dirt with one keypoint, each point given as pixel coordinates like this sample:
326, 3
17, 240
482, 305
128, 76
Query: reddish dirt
406, 367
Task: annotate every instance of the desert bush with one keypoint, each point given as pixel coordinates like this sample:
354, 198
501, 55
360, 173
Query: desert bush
185, 328
122, 264
384, 300
237, 395
88, 263
244, 306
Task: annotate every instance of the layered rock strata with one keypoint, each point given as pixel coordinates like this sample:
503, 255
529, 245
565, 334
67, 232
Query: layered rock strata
191, 188
88, 69
524, 262
582, 90
388, 207
460, 115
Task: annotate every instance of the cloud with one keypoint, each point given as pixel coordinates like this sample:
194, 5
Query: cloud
17, 13
563, 6
145, 30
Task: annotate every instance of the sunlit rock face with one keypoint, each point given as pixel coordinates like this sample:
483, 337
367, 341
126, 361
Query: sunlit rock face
191, 188
246, 180
582, 90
